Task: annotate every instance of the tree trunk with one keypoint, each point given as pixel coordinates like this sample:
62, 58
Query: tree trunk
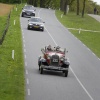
77, 7
61, 5
30, 2
35, 3
83, 8
48, 3
65, 7
42, 3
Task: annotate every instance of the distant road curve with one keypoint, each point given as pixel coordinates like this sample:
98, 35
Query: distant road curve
97, 17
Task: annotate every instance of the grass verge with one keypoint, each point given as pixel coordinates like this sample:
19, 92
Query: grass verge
3, 20
90, 39
12, 82
4, 11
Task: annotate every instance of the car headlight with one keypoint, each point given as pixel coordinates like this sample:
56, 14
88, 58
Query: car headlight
43, 60
41, 25
30, 24
62, 59
23, 10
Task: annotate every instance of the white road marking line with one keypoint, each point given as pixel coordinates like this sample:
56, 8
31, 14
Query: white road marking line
81, 84
93, 54
28, 91
24, 50
25, 56
25, 63
84, 45
88, 49
39, 12
23, 36
26, 72
27, 81
23, 41
24, 45
51, 36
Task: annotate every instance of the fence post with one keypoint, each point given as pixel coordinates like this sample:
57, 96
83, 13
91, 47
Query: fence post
61, 15
79, 30
14, 22
12, 54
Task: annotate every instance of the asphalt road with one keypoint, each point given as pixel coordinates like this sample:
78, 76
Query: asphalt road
83, 81
97, 17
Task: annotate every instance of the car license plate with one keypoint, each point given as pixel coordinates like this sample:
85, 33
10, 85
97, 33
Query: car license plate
55, 60
28, 13
36, 27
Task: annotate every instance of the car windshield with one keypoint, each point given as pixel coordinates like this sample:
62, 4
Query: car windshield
29, 7
35, 20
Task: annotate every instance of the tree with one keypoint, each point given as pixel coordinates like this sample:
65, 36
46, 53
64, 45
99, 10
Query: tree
65, 7
42, 3
83, 8
67, 2
35, 3
78, 7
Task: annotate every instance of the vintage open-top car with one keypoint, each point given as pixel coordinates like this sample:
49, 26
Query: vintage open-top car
53, 59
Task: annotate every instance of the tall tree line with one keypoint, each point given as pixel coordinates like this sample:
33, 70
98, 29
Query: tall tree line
12, 1
78, 6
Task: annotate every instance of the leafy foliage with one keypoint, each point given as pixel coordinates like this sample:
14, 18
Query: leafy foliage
56, 4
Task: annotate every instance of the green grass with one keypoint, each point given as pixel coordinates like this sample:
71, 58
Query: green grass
12, 82
3, 20
90, 39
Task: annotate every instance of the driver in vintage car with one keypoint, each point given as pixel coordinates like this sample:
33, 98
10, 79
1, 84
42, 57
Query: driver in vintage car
49, 48
53, 59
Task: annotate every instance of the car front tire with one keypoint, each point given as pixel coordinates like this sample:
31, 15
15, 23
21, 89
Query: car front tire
28, 28
22, 15
42, 29
41, 70
66, 73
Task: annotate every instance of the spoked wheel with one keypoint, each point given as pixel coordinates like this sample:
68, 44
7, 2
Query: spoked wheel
41, 70
39, 64
66, 73
39, 67
28, 28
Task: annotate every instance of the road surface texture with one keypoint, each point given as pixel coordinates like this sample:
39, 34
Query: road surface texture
97, 17
83, 81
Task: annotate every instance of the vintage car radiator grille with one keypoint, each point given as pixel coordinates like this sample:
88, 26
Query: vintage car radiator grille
55, 60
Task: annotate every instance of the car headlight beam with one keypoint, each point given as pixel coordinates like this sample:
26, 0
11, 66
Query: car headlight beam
30, 24
41, 25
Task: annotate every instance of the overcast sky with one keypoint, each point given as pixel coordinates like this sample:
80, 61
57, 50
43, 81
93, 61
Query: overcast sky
98, 1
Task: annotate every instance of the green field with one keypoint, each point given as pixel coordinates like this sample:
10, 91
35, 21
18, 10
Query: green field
12, 82
90, 39
3, 20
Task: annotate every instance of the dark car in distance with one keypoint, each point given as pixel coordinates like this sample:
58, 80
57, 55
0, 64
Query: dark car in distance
35, 23
28, 11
